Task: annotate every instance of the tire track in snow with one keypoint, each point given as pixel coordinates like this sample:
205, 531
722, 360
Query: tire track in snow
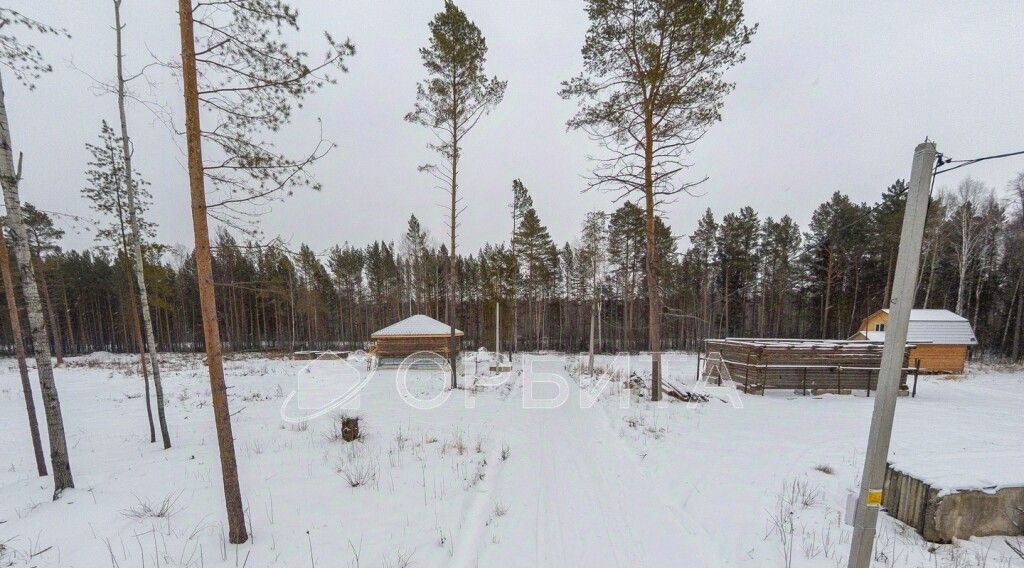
580, 499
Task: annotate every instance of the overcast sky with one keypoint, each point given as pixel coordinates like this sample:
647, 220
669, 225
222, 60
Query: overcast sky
833, 96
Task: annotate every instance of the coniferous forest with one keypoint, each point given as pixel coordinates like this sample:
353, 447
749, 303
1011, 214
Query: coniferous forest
737, 274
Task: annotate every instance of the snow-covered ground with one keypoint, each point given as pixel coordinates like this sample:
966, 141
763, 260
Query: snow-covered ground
604, 479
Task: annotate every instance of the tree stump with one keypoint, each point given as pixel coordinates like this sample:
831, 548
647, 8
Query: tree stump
350, 428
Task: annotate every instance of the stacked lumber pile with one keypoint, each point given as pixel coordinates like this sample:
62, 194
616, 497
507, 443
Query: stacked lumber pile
802, 365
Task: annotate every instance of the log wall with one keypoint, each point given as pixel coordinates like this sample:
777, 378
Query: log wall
760, 364
404, 346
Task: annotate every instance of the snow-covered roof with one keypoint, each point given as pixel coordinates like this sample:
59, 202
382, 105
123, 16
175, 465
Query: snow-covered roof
417, 325
871, 335
933, 315
941, 327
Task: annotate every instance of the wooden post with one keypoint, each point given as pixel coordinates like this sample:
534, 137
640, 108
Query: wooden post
803, 382
917, 371
839, 380
869, 383
746, 375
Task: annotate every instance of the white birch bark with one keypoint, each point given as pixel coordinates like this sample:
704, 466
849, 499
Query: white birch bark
37, 322
133, 222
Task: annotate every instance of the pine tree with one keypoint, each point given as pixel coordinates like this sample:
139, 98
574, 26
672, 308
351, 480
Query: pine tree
108, 195
250, 81
415, 250
454, 96
652, 85
737, 248
534, 244
626, 249
778, 253
703, 246
593, 253
521, 202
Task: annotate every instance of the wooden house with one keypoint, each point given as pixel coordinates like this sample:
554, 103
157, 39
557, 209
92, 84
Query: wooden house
414, 334
940, 339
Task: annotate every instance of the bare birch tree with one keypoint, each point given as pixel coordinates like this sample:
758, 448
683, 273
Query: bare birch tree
19, 352
1017, 190
651, 86
969, 234
107, 191
249, 81
25, 63
133, 223
450, 101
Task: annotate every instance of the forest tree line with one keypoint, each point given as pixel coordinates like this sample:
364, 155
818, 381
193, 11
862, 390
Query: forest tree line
736, 275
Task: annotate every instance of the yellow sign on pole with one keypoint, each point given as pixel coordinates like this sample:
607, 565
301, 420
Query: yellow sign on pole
874, 498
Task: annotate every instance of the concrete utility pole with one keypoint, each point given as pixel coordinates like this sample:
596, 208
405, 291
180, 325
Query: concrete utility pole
904, 289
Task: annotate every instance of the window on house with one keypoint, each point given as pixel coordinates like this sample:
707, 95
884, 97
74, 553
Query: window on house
879, 327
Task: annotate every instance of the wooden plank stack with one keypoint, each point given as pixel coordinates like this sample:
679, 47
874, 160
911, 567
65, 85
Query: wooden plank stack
802, 365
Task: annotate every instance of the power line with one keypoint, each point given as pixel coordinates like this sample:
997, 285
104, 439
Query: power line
961, 163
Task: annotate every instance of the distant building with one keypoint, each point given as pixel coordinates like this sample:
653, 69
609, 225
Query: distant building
940, 338
414, 334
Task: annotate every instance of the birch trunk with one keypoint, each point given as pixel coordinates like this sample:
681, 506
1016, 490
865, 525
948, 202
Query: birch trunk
133, 310
19, 351
133, 223
44, 290
133, 315
37, 322
237, 532
1009, 312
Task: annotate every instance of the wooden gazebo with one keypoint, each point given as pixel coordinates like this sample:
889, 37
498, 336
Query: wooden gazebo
414, 334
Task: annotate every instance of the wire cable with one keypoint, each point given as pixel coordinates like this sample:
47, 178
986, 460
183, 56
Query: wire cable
962, 163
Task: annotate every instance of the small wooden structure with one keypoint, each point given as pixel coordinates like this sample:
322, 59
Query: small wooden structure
946, 514
940, 338
805, 366
323, 355
414, 334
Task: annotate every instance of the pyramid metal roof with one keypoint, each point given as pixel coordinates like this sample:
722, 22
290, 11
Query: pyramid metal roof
418, 325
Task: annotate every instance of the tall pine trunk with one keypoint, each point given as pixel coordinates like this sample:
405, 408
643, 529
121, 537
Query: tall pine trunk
452, 355
37, 322
237, 533
593, 310
19, 351
653, 282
